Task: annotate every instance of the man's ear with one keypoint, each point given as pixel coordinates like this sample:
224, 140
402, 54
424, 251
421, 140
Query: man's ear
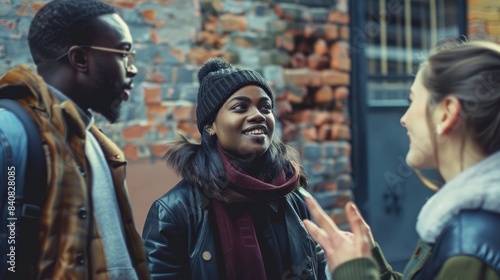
449, 113
78, 58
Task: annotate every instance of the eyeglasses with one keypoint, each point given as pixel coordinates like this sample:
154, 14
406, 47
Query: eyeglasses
129, 56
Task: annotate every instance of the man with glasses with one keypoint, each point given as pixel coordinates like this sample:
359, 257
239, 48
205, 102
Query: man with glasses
84, 227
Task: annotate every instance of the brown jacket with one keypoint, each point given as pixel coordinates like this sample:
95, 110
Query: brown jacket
69, 242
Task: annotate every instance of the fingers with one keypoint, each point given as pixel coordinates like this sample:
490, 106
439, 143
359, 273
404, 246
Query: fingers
322, 238
319, 235
360, 230
323, 220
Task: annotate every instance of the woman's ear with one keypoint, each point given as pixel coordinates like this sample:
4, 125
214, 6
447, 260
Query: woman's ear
210, 129
78, 58
448, 114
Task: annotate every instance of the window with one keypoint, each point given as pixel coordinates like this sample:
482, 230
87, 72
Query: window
400, 34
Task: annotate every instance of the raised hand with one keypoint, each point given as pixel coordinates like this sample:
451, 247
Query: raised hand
340, 246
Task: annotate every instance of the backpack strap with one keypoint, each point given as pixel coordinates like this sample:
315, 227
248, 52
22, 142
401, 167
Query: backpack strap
32, 194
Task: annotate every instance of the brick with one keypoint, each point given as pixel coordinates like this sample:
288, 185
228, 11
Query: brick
189, 93
171, 92
311, 151
299, 76
326, 31
277, 26
298, 60
341, 93
295, 94
340, 56
493, 28
334, 149
163, 130
320, 47
329, 117
284, 107
212, 39
230, 22
198, 56
304, 46
318, 62
335, 78
131, 152
36, 6
303, 116
156, 76
478, 13
333, 199
291, 12
137, 131
289, 130
335, 16
152, 93
189, 129
309, 133
342, 165
476, 26
344, 181
211, 23
317, 15
273, 57
315, 79
342, 199
332, 31
344, 32
328, 132
251, 40
182, 111
324, 95
153, 36
342, 6
285, 42
157, 112
149, 16
159, 149
274, 77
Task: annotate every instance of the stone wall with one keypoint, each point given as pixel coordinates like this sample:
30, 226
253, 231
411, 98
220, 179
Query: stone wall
300, 46
484, 20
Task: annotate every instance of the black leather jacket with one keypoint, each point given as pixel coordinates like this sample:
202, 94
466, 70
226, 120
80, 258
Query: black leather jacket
179, 237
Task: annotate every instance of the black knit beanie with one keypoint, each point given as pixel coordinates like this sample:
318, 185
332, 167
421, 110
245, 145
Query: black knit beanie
218, 81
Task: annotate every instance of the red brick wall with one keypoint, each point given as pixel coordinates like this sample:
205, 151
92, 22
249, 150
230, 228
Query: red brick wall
300, 46
484, 20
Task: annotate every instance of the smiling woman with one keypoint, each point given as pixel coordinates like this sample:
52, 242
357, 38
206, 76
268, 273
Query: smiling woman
237, 212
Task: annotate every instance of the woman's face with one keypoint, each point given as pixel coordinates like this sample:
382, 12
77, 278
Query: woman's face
244, 125
421, 152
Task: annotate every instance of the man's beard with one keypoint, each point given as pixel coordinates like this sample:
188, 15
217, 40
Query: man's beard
105, 95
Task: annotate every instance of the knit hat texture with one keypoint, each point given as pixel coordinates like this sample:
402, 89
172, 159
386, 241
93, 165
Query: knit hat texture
218, 81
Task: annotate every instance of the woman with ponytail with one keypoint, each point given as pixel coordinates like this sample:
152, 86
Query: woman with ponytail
237, 213
453, 123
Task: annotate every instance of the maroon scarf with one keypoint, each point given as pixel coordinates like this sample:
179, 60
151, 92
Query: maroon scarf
240, 248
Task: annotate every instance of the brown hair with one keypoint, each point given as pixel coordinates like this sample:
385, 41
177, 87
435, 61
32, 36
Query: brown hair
470, 71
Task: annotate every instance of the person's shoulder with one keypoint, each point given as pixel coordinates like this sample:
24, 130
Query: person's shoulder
181, 194
473, 233
11, 125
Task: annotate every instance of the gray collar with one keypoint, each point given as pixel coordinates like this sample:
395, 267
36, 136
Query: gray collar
477, 187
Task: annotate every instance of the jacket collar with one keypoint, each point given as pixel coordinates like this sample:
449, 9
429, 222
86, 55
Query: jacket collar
478, 187
87, 117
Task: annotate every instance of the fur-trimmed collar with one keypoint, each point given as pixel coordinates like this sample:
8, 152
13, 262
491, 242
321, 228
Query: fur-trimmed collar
478, 187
